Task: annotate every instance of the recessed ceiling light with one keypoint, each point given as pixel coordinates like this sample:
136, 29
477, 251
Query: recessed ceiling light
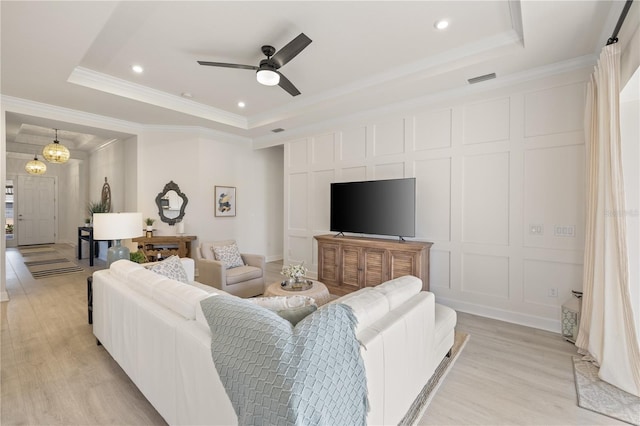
441, 24
241, 104
137, 69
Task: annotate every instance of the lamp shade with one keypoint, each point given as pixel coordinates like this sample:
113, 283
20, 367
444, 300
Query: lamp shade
117, 226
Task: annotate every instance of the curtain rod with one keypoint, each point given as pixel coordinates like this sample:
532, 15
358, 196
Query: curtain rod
623, 15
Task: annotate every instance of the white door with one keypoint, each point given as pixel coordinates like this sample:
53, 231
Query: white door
35, 210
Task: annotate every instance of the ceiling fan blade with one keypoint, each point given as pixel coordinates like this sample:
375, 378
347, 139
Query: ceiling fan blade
287, 85
291, 50
222, 64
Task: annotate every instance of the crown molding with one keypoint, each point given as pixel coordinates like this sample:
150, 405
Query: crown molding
582, 62
119, 87
54, 112
38, 109
18, 105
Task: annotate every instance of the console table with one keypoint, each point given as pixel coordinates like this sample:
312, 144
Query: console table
165, 245
86, 233
347, 264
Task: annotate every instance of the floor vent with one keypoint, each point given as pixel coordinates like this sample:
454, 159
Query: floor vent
485, 77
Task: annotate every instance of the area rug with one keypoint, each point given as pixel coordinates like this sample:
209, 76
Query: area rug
35, 250
601, 397
49, 264
419, 406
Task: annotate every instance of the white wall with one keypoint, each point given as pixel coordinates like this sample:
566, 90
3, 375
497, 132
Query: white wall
109, 162
488, 167
197, 161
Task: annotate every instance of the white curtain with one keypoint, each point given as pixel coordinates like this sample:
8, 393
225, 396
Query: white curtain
607, 331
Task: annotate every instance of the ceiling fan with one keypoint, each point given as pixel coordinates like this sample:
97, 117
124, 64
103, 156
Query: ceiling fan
267, 72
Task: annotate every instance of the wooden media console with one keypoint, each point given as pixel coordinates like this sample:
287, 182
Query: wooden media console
347, 264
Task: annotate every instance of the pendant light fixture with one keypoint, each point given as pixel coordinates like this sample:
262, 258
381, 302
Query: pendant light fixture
35, 166
55, 152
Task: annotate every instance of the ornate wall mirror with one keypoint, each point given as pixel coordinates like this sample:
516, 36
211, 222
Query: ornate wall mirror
171, 204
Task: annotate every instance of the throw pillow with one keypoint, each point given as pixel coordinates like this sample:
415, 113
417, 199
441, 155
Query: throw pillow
295, 315
229, 255
275, 373
172, 268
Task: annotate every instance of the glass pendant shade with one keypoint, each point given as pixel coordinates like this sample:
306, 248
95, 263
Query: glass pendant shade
268, 77
35, 167
55, 152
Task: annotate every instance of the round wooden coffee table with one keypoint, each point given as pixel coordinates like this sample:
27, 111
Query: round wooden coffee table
318, 292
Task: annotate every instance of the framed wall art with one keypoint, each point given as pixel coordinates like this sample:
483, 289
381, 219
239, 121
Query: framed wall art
225, 200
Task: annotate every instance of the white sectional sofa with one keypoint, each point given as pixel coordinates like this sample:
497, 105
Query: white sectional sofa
154, 328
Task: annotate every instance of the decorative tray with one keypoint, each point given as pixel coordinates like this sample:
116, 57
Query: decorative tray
300, 286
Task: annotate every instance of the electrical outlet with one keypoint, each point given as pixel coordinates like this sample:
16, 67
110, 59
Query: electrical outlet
536, 229
564, 230
553, 292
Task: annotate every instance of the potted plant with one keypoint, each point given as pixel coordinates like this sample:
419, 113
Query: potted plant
149, 222
96, 207
138, 257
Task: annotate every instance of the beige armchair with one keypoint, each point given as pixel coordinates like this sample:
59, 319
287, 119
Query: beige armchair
242, 281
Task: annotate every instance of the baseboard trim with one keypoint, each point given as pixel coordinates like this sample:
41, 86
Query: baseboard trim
4, 296
546, 324
274, 258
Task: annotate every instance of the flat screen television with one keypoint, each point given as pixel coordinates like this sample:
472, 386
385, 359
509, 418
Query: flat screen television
379, 207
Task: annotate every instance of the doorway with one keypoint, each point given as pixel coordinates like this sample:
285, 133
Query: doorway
34, 214
9, 225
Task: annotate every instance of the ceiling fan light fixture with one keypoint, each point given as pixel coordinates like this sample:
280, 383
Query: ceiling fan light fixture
55, 152
268, 77
35, 166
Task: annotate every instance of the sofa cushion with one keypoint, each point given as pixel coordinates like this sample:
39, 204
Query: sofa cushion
229, 255
172, 268
143, 280
367, 305
122, 268
179, 297
242, 274
399, 290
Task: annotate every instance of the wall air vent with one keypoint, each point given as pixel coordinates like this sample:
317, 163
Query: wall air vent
485, 77
278, 130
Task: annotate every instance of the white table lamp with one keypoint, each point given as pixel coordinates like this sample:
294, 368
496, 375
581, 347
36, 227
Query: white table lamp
117, 227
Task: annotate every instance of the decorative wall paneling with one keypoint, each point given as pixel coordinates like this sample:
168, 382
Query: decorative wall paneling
496, 173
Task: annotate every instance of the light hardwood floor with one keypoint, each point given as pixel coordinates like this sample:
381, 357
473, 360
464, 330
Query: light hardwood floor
53, 373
